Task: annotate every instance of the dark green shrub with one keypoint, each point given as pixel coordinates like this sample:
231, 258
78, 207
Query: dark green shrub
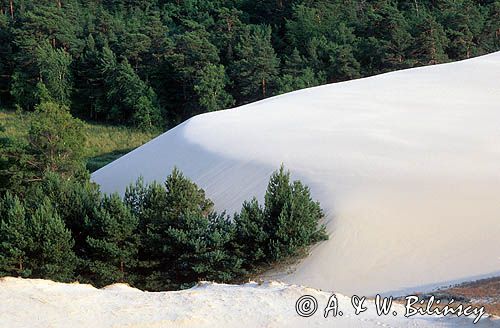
14, 237
34, 242
288, 224
183, 239
112, 242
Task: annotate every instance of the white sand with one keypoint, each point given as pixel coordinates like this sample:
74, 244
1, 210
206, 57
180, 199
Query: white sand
42, 304
406, 164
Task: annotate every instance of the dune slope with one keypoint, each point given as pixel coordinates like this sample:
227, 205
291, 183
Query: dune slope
406, 165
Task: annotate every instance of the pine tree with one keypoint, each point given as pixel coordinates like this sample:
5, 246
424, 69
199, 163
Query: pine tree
253, 239
112, 242
128, 98
210, 88
184, 196
298, 224
37, 25
10, 168
297, 75
56, 142
256, 68
76, 201
89, 82
197, 249
14, 237
228, 26
430, 41
325, 39
490, 36
182, 239
51, 252
385, 38
54, 68
6, 60
292, 217
188, 64
463, 24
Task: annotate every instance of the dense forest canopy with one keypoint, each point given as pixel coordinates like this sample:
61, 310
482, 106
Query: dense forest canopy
159, 62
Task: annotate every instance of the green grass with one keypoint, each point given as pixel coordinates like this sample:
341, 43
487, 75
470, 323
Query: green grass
104, 143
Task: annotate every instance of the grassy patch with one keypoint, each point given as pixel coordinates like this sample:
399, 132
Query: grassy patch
96, 162
104, 143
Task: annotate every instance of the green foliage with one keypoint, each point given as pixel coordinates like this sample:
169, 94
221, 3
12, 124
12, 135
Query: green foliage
56, 141
158, 237
14, 237
490, 37
285, 227
34, 243
462, 21
102, 143
7, 163
51, 245
76, 201
6, 59
256, 68
430, 41
42, 35
251, 234
174, 226
157, 63
386, 39
54, 67
296, 74
112, 242
196, 248
326, 39
210, 88
194, 238
128, 98
184, 240
292, 217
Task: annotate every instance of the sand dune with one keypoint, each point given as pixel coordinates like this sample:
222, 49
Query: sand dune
406, 165
41, 303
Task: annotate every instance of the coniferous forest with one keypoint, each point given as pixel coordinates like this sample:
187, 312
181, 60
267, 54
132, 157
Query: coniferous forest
157, 63
149, 65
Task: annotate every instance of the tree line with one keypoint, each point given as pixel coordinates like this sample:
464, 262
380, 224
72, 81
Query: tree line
156, 63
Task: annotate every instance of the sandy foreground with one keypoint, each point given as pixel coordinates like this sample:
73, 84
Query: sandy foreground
41, 303
405, 164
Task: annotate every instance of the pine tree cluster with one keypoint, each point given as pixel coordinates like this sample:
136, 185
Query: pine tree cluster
158, 237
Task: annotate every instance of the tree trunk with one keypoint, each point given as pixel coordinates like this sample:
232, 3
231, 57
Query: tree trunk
264, 87
11, 3
122, 270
